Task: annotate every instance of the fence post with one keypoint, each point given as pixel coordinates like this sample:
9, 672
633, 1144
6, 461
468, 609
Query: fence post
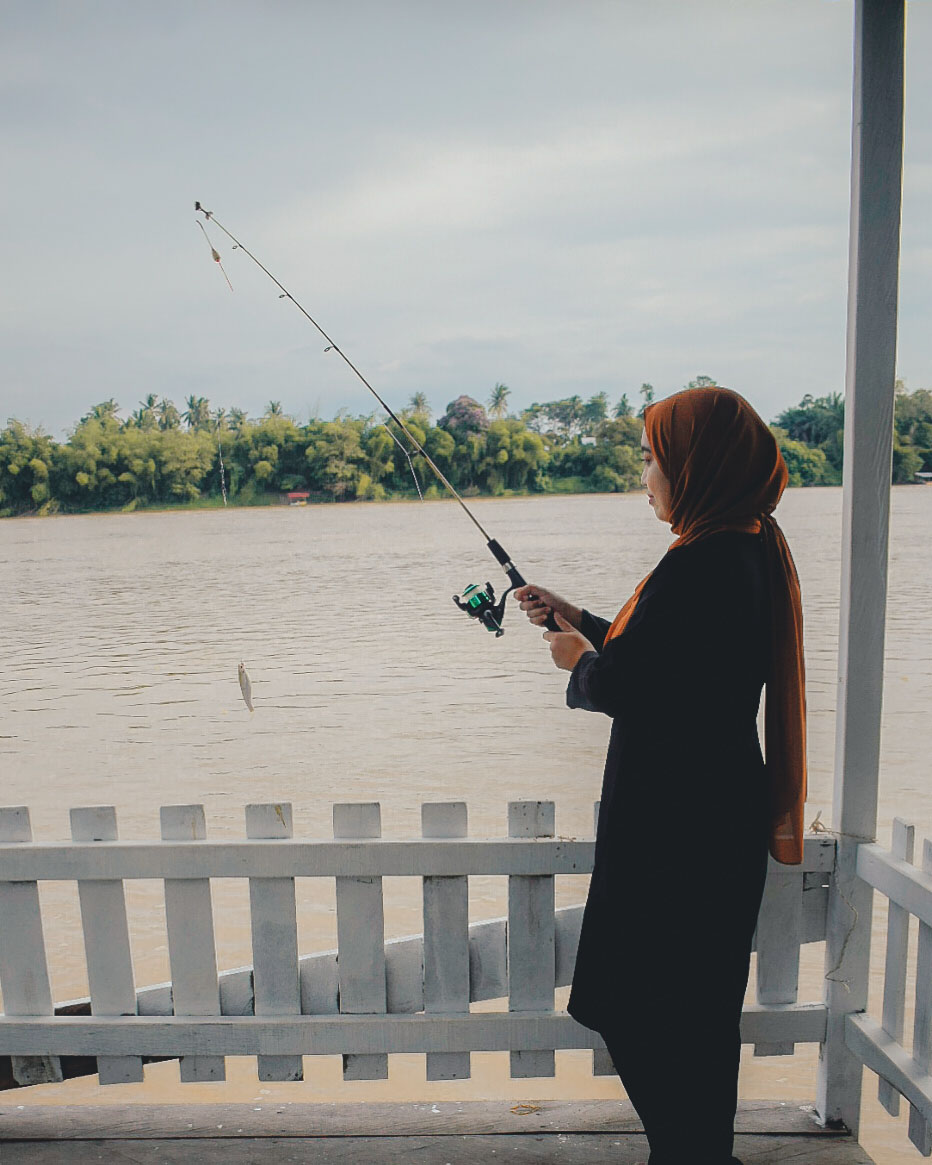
873, 272
531, 935
779, 926
24, 975
192, 954
106, 943
361, 938
920, 1131
446, 939
274, 939
894, 976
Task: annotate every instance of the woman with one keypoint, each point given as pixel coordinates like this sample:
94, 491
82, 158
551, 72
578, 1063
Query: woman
688, 806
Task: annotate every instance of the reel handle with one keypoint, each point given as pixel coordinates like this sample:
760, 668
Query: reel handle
515, 577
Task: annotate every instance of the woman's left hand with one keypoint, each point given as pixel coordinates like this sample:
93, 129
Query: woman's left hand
567, 644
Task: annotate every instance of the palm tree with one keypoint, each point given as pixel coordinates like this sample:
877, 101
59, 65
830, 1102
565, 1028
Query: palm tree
197, 414
144, 416
498, 401
220, 419
105, 411
237, 419
647, 392
623, 408
274, 409
169, 417
419, 406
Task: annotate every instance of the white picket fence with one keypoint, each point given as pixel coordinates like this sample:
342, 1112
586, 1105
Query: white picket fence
369, 998
880, 1045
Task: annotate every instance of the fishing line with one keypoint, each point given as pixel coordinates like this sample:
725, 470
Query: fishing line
332, 346
479, 602
417, 484
214, 253
223, 477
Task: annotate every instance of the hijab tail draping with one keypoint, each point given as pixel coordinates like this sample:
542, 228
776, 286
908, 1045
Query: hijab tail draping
785, 702
726, 472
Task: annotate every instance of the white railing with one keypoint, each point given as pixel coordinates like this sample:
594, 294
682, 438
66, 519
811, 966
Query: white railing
369, 998
880, 1045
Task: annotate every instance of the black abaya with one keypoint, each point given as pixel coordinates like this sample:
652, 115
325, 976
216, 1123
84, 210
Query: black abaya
681, 844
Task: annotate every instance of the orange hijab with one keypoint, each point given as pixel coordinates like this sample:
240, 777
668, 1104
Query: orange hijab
726, 473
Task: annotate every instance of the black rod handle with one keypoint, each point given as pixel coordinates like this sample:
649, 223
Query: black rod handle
515, 577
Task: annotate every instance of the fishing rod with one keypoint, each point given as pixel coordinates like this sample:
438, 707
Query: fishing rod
477, 602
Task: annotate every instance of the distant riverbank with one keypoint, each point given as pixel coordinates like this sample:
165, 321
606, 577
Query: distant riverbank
149, 461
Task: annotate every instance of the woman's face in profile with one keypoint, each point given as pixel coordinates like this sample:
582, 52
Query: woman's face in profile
654, 480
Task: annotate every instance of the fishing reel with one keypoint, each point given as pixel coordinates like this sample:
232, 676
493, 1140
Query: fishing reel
479, 603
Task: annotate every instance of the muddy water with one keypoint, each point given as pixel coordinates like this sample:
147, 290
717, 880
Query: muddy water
120, 642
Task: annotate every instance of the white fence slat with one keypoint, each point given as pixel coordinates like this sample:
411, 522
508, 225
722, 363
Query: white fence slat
779, 932
24, 974
106, 943
531, 925
894, 978
446, 939
361, 937
192, 953
274, 939
920, 1131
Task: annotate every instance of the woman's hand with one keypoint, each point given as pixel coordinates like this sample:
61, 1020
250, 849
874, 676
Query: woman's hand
538, 602
567, 644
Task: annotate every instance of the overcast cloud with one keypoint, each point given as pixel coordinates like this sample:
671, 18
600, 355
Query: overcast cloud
568, 197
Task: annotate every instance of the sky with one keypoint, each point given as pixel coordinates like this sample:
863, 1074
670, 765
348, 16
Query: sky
565, 196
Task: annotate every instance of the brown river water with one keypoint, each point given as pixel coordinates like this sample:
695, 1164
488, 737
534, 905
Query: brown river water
120, 640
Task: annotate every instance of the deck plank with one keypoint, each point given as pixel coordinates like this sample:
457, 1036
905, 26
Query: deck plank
569, 1132
522, 1149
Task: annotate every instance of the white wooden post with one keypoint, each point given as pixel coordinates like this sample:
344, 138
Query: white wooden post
920, 1131
106, 943
274, 939
361, 938
531, 935
779, 931
876, 184
191, 951
894, 977
446, 939
24, 975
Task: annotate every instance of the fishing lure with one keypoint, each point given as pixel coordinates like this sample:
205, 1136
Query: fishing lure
485, 610
215, 254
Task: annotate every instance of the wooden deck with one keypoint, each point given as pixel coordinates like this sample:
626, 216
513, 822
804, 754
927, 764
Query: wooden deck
571, 1133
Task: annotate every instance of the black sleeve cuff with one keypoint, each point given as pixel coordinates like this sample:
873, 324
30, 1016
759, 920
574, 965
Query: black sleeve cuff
594, 629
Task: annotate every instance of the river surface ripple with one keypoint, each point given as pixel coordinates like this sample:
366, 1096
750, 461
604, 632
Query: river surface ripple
121, 638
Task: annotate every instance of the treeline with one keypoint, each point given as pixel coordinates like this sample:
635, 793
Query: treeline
159, 456
811, 436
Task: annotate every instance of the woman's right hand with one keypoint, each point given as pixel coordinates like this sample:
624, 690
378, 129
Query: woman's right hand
537, 602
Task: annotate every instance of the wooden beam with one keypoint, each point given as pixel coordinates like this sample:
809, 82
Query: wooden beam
873, 274
326, 1035
289, 858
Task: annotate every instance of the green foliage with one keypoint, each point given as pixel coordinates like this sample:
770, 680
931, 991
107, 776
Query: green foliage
806, 465
564, 446
817, 425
